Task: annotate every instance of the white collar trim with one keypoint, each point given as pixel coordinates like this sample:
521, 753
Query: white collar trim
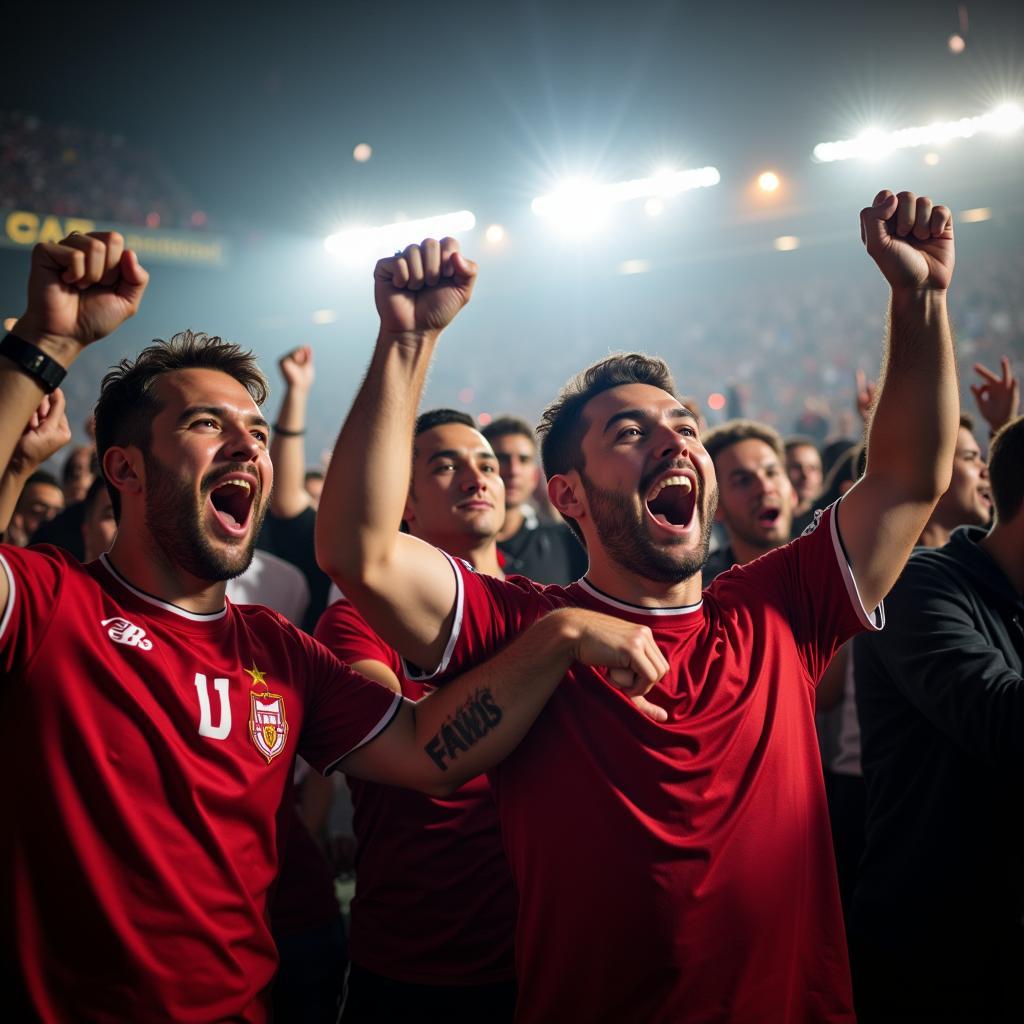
636, 609
166, 605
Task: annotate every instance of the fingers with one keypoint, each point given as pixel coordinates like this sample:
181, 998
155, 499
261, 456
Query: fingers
923, 219
132, 280
941, 222
873, 231
55, 407
652, 711
983, 371
430, 254
427, 264
1008, 378
414, 260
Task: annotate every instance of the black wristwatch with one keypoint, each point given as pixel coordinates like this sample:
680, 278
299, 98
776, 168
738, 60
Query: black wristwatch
33, 361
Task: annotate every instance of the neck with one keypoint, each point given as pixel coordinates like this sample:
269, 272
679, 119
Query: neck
1005, 545
620, 583
934, 535
514, 519
144, 565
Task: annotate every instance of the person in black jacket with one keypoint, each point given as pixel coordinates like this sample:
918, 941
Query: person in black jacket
544, 552
936, 930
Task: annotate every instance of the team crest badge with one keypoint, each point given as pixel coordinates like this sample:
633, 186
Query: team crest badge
268, 725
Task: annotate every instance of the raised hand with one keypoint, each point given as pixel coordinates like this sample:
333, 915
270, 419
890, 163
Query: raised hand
297, 368
628, 651
998, 397
47, 432
423, 288
910, 239
81, 289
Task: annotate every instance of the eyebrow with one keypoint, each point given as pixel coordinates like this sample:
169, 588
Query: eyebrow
254, 419
458, 453
681, 413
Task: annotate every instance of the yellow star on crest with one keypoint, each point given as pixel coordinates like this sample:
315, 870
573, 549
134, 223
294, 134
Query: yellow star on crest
256, 675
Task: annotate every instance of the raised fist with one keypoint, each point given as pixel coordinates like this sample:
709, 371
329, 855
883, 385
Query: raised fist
81, 289
46, 433
910, 239
423, 288
297, 368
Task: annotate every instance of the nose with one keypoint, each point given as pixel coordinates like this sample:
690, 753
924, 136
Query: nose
473, 479
240, 445
670, 443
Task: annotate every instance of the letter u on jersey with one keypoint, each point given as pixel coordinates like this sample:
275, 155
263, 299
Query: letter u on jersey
206, 726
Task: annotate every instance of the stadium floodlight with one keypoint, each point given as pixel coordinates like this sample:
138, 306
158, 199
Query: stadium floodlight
580, 206
874, 143
768, 181
359, 243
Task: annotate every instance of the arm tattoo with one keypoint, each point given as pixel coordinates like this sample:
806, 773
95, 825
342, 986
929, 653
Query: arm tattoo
477, 716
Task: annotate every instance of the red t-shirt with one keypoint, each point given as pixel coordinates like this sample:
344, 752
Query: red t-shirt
679, 871
435, 902
149, 754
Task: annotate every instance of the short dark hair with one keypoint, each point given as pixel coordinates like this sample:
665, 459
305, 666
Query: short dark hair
128, 404
800, 441
1006, 469
41, 476
849, 467
733, 431
967, 421
439, 417
562, 426
509, 426
313, 474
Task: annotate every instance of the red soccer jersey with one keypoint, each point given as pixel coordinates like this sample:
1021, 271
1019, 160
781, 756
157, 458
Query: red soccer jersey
434, 903
148, 754
679, 871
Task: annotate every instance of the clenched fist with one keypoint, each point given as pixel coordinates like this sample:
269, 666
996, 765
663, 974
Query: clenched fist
910, 239
422, 289
81, 289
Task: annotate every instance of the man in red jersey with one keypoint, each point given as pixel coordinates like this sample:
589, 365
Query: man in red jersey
679, 870
432, 921
149, 727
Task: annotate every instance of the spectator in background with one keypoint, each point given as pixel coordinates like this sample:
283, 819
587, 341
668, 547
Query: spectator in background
78, 473
99, 525
755, 497
803, 466
936, 931
314, 484
291, 521
40, 501
545, 552
433, 918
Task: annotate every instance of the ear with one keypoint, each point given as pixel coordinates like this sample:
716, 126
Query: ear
566, 494
123, 469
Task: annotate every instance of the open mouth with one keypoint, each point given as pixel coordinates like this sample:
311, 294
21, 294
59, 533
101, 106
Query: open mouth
768, 516
232, 502
672, 502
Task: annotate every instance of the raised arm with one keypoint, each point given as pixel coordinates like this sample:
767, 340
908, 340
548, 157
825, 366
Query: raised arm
46, 433
470, 724
403, 587
79, 290
288, 440
912, 431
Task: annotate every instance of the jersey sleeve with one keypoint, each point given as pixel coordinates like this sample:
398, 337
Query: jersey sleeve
349, 637
35, 580
811, 584
344, 710
488, 613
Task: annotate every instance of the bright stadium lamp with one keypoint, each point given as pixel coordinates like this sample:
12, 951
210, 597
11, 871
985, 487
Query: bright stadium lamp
874, 143
358, 244
580, 206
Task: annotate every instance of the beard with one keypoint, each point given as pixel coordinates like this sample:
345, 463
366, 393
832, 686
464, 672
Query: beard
620, 528
175, 523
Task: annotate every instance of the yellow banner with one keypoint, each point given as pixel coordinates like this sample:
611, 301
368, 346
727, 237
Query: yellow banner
23, 228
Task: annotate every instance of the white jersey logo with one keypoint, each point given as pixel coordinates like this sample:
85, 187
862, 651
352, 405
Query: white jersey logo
122, 631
